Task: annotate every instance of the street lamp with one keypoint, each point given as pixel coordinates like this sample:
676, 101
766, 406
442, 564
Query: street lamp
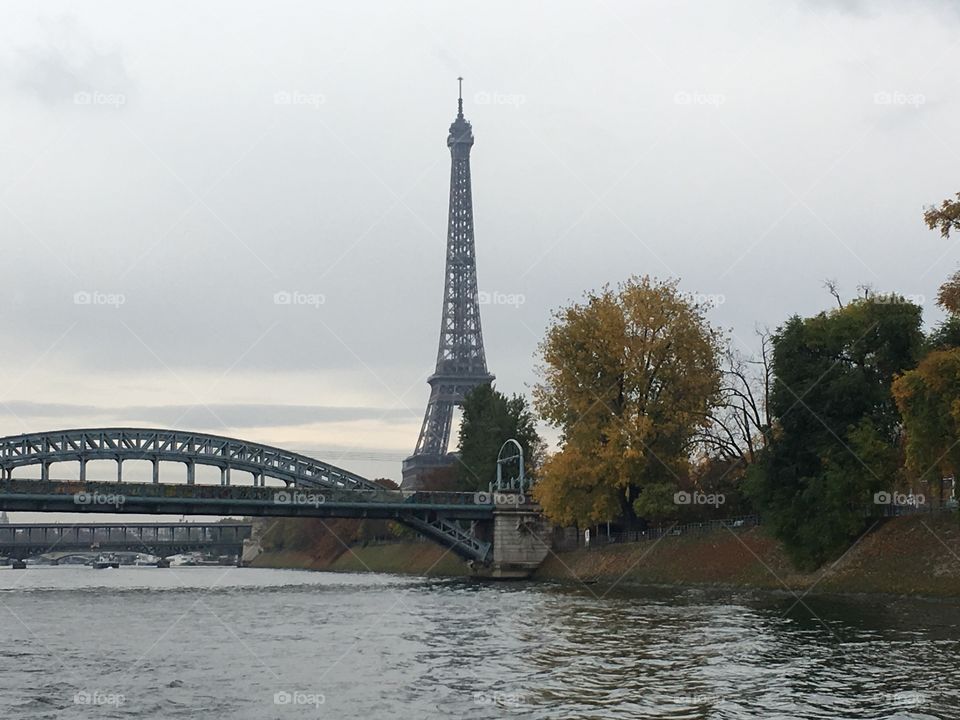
501, 460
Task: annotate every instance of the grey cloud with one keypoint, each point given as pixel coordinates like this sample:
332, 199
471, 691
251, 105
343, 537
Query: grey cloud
66, 68
202, 417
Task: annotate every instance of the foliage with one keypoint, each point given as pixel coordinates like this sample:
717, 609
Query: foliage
929, 400
489, 419
948, 297
656, 502
327, 537
835, 426
944, 218
628, 376
946, 335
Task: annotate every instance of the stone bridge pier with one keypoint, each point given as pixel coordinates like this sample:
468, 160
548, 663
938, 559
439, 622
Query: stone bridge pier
521, 538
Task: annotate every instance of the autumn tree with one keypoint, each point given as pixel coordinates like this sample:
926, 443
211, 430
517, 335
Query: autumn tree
929, 400
945, 217
928, 397
628, 377
489, 419
835, 427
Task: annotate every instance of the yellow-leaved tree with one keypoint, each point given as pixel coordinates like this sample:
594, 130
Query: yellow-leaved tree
628, 376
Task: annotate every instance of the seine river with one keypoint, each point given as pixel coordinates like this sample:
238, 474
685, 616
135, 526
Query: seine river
212, 642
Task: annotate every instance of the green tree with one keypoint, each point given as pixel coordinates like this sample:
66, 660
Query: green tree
489, 419
835, 425
628, 376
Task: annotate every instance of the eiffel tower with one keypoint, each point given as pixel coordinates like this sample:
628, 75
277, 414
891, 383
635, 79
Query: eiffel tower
461, 363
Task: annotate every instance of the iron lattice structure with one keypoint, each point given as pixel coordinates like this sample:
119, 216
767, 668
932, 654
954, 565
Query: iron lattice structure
461, 361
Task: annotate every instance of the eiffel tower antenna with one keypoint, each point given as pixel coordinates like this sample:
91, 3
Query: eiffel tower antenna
461, 361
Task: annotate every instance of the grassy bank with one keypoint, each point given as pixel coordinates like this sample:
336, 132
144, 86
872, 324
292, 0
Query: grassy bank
909, 556
406, 558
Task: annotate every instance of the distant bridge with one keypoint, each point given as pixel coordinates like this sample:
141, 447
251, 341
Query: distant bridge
312, 488
58, 539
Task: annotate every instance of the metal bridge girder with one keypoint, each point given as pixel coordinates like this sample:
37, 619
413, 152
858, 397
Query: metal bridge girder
172, 445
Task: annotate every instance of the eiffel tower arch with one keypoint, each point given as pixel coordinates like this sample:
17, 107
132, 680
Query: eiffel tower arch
461, 361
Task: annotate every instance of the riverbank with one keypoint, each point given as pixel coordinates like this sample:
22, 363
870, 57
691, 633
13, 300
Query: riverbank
917, 555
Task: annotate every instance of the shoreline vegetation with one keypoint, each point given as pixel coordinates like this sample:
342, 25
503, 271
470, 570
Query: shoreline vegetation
917, 555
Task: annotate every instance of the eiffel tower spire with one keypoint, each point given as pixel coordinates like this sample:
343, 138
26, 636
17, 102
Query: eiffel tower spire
461, 361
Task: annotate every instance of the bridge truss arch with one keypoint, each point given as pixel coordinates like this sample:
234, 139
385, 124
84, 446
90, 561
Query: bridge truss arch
190, 448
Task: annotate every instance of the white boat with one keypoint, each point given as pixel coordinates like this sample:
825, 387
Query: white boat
105, 560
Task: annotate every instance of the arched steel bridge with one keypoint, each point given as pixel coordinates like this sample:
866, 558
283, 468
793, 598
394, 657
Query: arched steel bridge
312, 488
189, 448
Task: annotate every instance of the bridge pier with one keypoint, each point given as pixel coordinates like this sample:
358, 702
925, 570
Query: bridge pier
45, 471
191, 472
521, 541
156, 470
225, 475
119, 470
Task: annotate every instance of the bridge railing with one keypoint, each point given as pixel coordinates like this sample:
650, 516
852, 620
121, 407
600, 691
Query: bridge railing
564, 540
106, 492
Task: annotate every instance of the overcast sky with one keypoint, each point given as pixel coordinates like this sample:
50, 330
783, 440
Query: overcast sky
166, 169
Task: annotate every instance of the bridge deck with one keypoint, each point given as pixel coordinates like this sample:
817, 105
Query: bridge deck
148, 498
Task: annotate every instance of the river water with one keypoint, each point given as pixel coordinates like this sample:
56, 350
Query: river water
211, 642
